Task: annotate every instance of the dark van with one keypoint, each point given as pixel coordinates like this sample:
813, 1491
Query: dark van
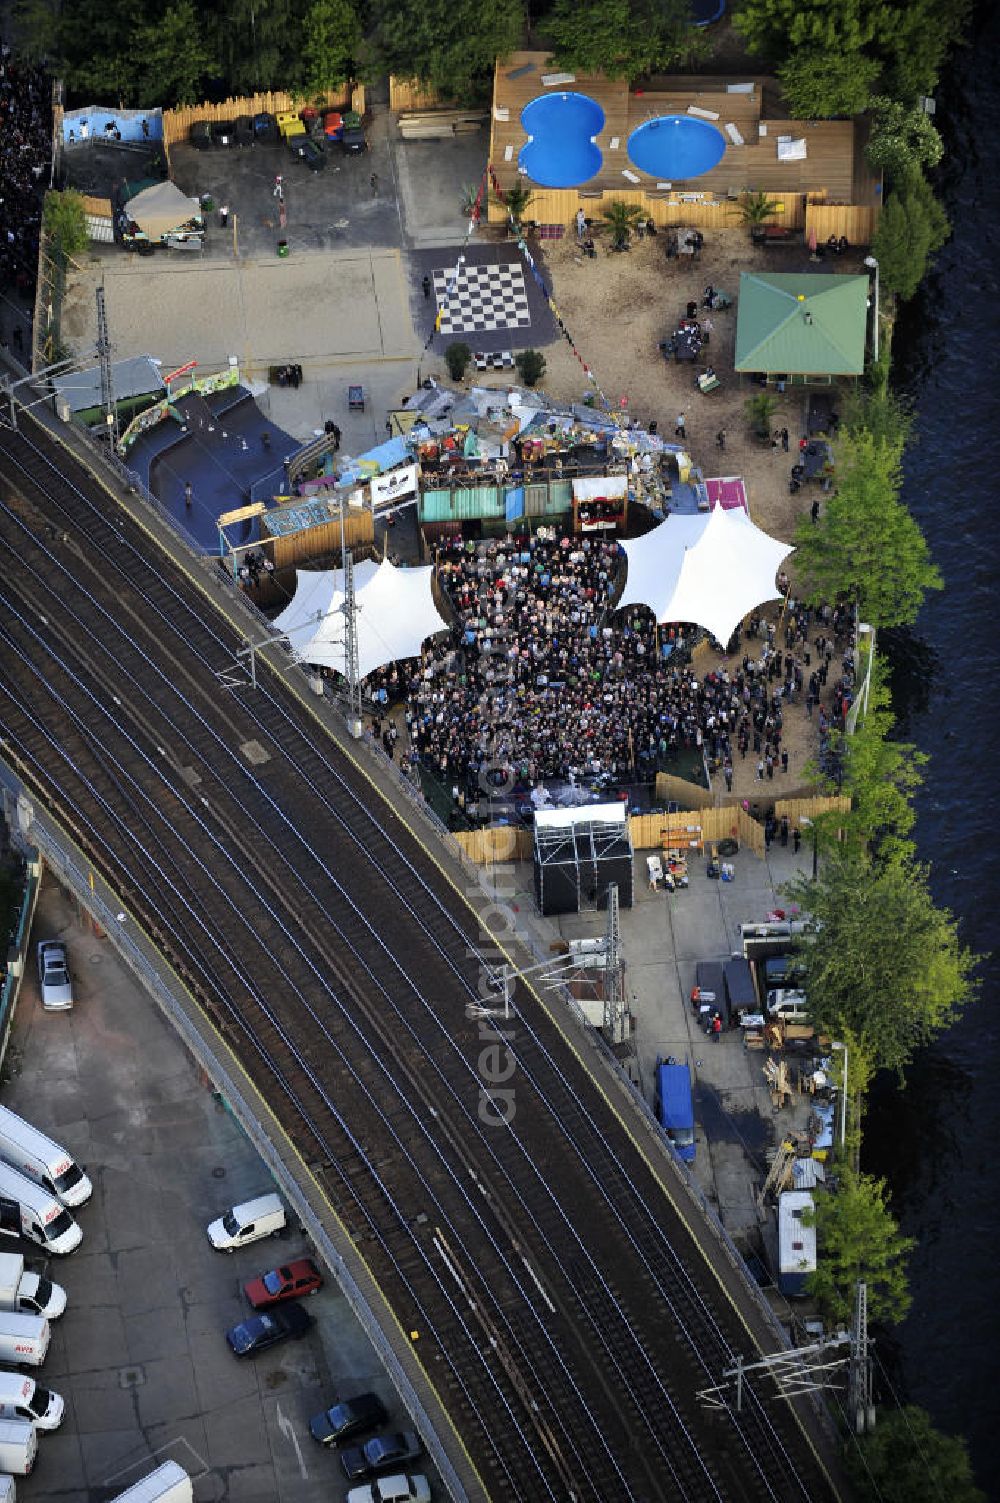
741, 994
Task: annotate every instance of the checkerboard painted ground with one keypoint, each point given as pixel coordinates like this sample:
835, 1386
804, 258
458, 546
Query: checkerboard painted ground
484, 298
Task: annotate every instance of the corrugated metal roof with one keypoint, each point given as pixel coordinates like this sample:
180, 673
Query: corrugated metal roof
137, 377
807, 323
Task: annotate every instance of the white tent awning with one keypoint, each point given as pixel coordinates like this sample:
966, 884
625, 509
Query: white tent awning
710, 570
396, 612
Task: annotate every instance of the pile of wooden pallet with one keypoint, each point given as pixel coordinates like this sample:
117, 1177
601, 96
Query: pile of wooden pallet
436, 125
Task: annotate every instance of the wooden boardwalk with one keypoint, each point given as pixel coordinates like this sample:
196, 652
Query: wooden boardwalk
833, 171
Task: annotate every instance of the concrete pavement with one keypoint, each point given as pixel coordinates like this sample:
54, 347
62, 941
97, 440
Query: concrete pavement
140, 1355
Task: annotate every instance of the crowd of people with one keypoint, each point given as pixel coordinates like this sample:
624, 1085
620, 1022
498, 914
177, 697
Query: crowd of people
25, 152
542, 681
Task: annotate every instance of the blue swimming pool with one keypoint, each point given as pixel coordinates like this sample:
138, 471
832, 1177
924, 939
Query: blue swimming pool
676, 147
561, 151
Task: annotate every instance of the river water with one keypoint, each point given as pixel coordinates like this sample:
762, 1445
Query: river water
938, 1142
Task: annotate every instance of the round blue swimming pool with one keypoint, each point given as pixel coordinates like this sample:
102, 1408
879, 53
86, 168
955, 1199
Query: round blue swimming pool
561, 151
676, 147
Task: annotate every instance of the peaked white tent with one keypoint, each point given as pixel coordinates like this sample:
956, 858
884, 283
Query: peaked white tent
711, 570
396, 612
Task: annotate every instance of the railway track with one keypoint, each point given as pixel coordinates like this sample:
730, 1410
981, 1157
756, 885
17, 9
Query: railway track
565, 1312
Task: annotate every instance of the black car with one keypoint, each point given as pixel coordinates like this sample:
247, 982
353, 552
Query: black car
305, 149
353, 140
255, 1334
223, 133
380, 1454
200, 135
783, 970
348, 1418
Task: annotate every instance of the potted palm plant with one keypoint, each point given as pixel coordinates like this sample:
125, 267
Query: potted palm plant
621, 219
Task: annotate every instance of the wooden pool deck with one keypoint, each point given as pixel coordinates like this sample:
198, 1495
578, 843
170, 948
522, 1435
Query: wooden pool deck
833, 172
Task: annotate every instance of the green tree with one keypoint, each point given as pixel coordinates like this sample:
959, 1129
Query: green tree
759, 410
866, 547
857, 1239
916, 41
65, 221
450, 44
623, 38
780, 28
169, 59
902, 138
906, 1460
517, 200
819, 84
36, 29
620, 220
530, 366
255, 45
331, 41
456, 357
880, 775
912, 226
755, 208
885, 967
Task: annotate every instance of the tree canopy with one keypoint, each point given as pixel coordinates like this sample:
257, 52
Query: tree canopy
835, 53
903, 138
885, 967
175, 51
911, 227
623, 38
450, 44
65, 220
866, 547
906, 1460
880, 775
858, 1240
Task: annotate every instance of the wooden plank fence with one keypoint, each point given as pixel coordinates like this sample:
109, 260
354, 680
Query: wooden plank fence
411, 94
855, 221
695, 828
559, 206
177, 123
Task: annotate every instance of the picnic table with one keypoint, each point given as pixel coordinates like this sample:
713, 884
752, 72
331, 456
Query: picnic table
816, 459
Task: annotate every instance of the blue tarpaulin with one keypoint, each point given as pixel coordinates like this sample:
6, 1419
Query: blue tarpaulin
515, 503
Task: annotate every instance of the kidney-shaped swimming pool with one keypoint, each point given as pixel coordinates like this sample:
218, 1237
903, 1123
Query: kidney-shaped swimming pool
561, 151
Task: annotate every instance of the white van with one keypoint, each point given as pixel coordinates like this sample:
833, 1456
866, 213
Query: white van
18, 1447
27, 1210
263, 1217
790, 1006
21, 1398
170, 1483
34, 1155
24, 1339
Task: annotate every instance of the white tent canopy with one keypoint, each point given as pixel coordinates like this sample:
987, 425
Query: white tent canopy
710, 570
396, 611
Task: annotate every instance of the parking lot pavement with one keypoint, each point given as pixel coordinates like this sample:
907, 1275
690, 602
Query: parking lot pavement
663, 938
140, 1355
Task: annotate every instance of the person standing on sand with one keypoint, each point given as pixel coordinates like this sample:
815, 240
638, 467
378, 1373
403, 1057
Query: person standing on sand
680, 428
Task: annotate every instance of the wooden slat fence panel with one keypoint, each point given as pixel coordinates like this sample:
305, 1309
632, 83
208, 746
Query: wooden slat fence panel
177, 123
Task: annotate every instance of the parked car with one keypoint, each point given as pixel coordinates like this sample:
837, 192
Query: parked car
783, 970
353, 139
291, 1281
305, 149
258, 1332
200, 135
54, 980
395, 1489
348, 1418
380, 1454
223, 133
